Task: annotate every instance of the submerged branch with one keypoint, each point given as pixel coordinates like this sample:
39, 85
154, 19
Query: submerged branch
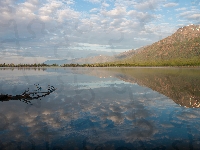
27, 96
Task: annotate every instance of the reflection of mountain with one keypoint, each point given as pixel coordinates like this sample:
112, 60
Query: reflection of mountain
181, 85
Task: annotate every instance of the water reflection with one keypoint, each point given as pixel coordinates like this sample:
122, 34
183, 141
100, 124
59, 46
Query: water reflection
182, 85
89, 112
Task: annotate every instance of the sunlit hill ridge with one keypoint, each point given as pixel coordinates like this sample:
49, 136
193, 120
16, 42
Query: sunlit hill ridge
181, 48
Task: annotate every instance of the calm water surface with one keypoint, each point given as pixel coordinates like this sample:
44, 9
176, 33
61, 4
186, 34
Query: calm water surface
101, 108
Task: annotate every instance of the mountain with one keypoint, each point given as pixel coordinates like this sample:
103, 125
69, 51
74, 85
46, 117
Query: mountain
182, 47
179, 49
104, 58
87, 60
95, 59
85, 56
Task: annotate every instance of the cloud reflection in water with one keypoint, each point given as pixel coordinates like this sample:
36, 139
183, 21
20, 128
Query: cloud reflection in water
123, 115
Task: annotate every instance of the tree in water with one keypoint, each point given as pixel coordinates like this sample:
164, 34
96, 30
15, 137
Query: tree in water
27, 96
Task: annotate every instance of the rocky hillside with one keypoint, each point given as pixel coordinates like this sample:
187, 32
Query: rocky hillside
182, 46
104, 58
126, 54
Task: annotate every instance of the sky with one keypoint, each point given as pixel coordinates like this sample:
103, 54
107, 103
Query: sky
32, 31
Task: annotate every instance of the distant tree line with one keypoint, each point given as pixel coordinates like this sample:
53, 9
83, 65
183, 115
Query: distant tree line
27, 65
174, 62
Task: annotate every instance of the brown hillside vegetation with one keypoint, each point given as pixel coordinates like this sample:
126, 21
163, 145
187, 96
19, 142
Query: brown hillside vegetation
182, 47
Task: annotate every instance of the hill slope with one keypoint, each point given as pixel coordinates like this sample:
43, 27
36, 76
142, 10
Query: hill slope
181, 48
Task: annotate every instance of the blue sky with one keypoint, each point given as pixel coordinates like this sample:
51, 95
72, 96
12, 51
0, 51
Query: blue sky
37, 30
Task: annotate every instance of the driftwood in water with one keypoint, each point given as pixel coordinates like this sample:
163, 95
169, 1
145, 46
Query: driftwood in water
27, 96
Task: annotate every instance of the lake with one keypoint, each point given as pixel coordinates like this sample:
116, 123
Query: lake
100, 108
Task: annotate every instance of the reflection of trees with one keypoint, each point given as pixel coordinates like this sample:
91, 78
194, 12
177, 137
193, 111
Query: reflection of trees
27, 95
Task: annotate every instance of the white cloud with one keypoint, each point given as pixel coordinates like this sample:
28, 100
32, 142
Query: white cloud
16, 59
116, 12
143, 17
181, 9
105, 4
94, 10
69, 2
194, 16
93, 1
57, 24
185, 13
50, 8
148, 5
67, 14
170, 5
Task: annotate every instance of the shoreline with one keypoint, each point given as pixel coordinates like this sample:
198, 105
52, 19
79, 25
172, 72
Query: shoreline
103, 67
